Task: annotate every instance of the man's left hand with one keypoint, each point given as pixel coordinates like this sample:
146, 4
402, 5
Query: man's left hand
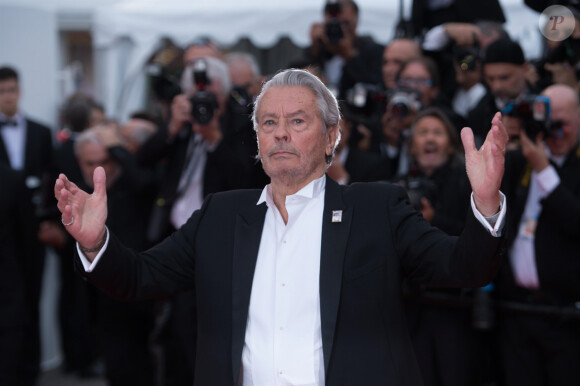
535, 152
485, 167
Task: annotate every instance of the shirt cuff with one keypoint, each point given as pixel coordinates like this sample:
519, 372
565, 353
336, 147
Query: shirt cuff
88, 266
548, 179
496, 229
435, 38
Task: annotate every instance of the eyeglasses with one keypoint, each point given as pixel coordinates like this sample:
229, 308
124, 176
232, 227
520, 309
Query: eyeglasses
411, 82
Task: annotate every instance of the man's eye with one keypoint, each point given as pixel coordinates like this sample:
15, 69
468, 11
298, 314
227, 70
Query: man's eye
298, 121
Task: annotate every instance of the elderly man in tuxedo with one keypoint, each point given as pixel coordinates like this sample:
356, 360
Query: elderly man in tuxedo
299, 283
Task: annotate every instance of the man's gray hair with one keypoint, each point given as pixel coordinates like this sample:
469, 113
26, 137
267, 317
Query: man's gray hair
246, 58
86, 136
216, 69
325, 100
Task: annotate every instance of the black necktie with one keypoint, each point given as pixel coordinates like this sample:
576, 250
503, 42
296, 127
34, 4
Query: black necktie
8, 123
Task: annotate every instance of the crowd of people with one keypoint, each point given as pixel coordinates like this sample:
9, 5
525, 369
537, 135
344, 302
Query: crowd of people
403, 107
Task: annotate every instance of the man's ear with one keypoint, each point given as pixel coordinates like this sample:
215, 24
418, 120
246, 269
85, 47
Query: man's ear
332, 134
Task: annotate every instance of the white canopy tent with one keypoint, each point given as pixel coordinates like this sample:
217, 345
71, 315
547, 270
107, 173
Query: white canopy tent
126, 33
226, 21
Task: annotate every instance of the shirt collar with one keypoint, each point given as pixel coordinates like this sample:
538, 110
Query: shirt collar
16, 117
557, 159
311, 190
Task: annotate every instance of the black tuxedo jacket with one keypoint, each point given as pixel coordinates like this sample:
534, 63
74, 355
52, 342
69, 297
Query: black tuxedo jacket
18, 248
223, 171
37, 152
38, 161
363, 257
557, 241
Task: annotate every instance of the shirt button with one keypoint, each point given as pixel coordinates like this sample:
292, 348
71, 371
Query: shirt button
283, 284
281, 328
281, 372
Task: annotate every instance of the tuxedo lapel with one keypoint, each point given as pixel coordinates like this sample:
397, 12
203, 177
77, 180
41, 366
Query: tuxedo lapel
248, 232
335, 231
3, 153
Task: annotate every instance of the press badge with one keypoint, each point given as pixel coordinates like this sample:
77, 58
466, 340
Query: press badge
528, 228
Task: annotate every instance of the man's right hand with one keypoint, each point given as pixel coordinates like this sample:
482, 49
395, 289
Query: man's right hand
84, 215
180, 113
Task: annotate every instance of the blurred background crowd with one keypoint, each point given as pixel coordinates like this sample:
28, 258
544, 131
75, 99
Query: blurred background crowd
181, 129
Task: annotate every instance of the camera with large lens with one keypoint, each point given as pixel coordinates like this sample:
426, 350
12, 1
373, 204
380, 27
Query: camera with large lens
403, 101
164, 84
365, 99
333, 27
467, 57
483, 312
203, 103
534, 111
417, 187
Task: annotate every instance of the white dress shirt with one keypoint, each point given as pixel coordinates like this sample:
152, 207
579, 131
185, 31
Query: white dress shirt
15, 140
191, 181
466, 100
283, 344
522, 253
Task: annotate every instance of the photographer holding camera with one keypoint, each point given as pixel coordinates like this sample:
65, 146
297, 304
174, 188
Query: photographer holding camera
542, 180
438, 187
504, 72
418, 88
344, 57
198, 159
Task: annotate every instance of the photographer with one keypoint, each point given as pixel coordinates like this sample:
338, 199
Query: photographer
247, 82
504, 72
198, 160
560, 62
344, 57
538, 337
437, 186
469, 78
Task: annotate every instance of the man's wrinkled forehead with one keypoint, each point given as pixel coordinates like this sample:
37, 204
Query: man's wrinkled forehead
277, 104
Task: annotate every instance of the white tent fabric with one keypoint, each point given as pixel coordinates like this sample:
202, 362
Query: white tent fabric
127, 32
145, 23
228, 20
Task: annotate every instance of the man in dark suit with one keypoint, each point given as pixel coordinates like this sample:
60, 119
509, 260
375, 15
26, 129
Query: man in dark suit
199, 158
542, 181
344, 57
18, 247
26, 146
299, 282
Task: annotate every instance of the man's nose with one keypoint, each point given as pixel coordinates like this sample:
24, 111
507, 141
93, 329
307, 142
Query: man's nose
281, 132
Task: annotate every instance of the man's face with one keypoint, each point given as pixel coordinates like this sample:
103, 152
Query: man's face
505, 80
469, 78
291, 139
417, 77
430, 144
394, 55
131, 130
563, 109
9, 96
241, 74
348, 18
91, 155
196, 52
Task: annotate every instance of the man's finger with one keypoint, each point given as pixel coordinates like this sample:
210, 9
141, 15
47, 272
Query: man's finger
497, 121
468, 140
99, 182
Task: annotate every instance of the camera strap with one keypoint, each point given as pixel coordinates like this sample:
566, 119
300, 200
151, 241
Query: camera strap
195, 151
